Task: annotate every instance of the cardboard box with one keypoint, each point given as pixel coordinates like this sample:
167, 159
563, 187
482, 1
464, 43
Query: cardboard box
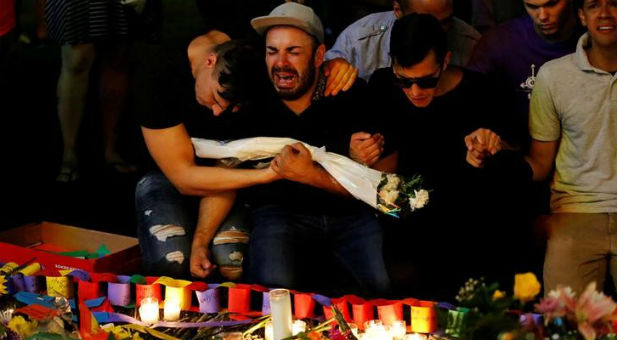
38, 240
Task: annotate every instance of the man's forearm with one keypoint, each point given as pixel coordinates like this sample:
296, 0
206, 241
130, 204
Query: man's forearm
212, 212
321, 179
206, 181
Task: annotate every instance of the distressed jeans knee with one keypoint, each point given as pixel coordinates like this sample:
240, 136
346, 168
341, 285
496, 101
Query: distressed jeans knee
166, 220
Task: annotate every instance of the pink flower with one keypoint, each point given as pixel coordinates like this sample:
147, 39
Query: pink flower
550, 306
591, 307
557, 303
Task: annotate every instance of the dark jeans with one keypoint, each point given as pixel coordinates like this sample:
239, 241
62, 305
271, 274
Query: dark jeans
166, 221
281, 240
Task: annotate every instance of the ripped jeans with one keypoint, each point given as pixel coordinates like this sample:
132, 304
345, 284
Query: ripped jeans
166, 221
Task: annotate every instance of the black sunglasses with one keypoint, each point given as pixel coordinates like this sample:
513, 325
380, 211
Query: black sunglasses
424, 82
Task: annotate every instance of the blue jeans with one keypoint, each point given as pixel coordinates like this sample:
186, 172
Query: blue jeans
166, 221
281, 240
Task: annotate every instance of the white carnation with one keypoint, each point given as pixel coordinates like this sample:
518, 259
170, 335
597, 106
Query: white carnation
392, 182
389, 196
419, 200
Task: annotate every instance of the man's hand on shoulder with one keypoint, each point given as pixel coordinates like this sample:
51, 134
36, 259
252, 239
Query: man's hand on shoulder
340, 76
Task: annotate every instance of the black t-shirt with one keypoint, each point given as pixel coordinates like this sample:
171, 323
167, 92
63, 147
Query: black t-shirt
430, 140
328, 122
172, 101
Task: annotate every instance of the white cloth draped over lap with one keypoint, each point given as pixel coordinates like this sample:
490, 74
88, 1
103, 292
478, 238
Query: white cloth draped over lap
360, 181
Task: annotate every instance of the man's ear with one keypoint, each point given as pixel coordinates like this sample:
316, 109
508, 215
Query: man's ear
211, 60
582, 18
397, 9
319, 55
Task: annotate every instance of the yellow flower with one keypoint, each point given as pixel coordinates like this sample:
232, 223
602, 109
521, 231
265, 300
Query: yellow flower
498, 294
22, 327
526, 287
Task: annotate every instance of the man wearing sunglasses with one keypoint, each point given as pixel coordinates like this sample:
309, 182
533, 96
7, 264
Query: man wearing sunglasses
426, 107
365, 42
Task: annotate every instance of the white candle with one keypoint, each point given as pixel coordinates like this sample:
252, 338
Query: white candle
398, 330
375, 330
149, 310
171, 310
281, 312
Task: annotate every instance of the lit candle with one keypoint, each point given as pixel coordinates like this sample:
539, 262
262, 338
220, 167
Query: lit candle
375, 330
398, 330
268, 331
298, 326
171, 310
281, 313
354, 329
149, 310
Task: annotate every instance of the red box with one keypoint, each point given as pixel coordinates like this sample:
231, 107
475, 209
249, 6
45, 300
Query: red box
26, 242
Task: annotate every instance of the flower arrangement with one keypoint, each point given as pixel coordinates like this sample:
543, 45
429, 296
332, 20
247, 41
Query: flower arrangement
398, 195
592, 313
492, 314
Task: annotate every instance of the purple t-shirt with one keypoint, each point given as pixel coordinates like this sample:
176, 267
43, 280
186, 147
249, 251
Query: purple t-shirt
512, 54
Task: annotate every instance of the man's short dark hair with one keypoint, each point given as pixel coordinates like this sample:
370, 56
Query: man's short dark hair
240, 69
414, 36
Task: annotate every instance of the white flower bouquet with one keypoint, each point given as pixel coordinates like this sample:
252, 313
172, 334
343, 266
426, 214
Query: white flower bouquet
389, 193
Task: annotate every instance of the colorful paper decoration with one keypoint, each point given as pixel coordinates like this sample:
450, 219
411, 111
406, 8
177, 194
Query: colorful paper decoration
180, 294
423, 318
87, 290
143, 291
265, 303
389, 311
362, 311
208, 300
119, 293
239, 299
59, 286
342, 305
304, 305
38, 312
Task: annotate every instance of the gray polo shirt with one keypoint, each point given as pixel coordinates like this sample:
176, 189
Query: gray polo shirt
575, 103
365, 43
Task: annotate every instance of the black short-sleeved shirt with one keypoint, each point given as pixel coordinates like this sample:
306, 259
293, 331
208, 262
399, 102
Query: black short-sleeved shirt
172, 101
430, 140
328, 122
